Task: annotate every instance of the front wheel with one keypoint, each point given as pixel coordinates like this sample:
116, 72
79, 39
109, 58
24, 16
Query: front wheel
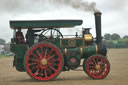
96, 66
43, 61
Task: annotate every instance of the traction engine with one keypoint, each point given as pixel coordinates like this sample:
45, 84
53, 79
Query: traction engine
45, 52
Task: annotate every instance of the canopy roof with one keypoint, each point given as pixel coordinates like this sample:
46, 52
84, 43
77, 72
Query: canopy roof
44, 24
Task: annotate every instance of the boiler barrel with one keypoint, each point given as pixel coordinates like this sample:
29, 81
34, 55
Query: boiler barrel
85, 51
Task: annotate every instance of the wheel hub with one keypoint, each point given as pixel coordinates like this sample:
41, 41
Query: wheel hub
97, 67
73, 60
44, 61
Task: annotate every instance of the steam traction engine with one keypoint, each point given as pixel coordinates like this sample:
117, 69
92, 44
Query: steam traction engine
51, 53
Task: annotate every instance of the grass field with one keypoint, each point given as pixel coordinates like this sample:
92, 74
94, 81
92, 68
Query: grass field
3, 56
118, 74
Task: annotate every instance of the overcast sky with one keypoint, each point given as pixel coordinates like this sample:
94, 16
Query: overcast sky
114, 17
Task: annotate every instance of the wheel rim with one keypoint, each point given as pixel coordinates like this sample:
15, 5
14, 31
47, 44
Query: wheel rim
43, 61
97, 67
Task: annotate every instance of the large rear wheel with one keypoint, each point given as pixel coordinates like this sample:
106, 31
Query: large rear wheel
43, 61
96, 66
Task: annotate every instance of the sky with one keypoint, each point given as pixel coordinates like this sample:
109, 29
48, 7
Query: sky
114, 14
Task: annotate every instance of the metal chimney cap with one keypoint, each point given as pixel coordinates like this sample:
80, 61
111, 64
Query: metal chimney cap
97, 13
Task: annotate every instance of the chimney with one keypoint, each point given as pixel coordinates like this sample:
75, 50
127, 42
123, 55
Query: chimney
98, 27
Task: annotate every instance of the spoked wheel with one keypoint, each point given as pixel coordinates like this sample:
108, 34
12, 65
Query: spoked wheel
96, 66
44, 61
50, 33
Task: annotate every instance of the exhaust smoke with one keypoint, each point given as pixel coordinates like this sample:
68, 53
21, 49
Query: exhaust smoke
23, 6
83, 5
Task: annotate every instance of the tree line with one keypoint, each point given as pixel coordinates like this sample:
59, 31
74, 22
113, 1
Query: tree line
115, 41
2, 41
4, 48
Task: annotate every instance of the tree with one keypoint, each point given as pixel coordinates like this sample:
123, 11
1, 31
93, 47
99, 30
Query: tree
124, 40
107, 36
2, 41
126, 36
115, 36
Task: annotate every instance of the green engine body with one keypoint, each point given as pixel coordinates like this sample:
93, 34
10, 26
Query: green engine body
73, 49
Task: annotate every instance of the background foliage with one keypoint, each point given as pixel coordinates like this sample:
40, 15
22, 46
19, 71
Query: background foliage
115, 41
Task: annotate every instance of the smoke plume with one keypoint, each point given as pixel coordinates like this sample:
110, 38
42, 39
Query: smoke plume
83, 5
36, 6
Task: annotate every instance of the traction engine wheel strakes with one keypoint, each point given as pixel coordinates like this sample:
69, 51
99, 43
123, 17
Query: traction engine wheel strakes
43, 61
96, 66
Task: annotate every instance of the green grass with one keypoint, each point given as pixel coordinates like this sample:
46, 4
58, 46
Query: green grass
4, 56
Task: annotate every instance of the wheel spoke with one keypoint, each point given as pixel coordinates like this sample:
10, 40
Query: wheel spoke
101, 72
102, 60
45, 72
53, 32
102, 67
45, 53
50, 57
93, 71
49, 71
52, 68
37, 71
94, 61
32, 64
52, 64
41, 51
92, 67
41, 72
97, 73
39, 54
35, 67
45, 32
35, 55
97, 59
50, 52
35, 60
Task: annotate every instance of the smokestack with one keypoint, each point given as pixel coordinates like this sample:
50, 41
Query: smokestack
98, 27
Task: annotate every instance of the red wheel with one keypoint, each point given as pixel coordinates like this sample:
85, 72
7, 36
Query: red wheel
97, 66
43, 61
